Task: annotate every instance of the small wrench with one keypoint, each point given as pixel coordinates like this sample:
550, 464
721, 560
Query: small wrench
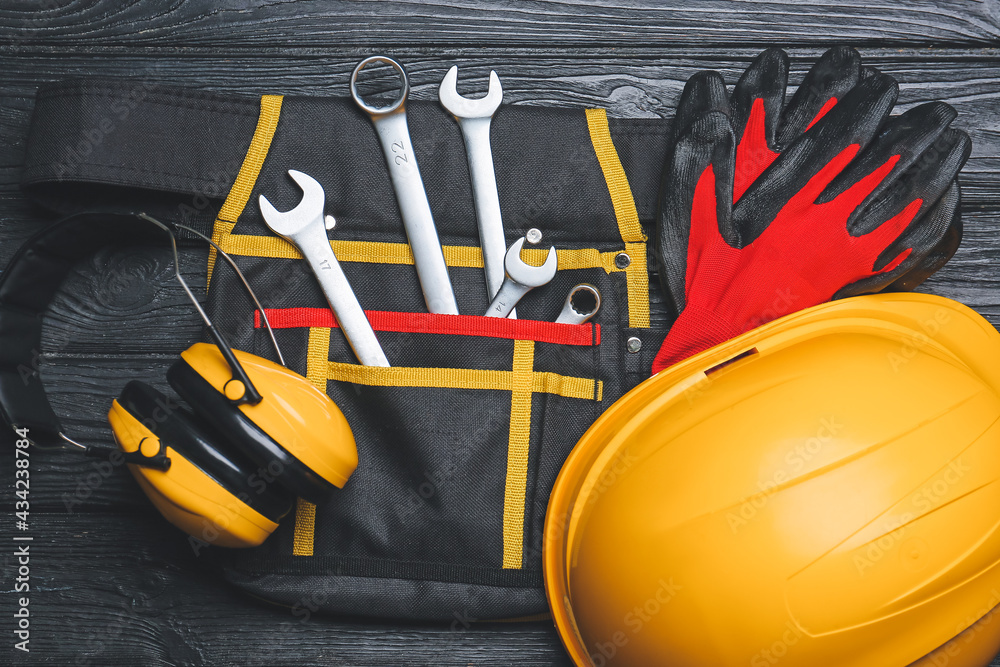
580, 313
305, 228
474, 117
521, 279
394, 134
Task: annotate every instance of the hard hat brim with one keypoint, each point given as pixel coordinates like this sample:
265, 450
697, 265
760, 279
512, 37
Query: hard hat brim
575, 488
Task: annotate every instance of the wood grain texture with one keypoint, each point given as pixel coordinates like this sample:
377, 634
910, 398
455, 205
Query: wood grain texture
138, 595
115, 583
628, 84
361, 25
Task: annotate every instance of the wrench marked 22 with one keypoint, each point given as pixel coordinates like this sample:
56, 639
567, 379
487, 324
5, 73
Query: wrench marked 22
394, 135
401, 153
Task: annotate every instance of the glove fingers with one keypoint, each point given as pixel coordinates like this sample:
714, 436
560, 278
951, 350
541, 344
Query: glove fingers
912, 144
926, 182
822, 153
919, 185
708, 142
939, 254
756, 108
832, 77
868, 72
704, 92
765, 79
933, 237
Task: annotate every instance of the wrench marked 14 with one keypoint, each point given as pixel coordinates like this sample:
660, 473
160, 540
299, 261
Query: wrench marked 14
521, 278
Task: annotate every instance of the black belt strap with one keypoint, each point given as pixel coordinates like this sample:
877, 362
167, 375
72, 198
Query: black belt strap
133, 144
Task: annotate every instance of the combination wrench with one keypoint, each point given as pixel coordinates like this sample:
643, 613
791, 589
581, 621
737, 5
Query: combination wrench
521, 279
305, 228
394, 135
474, 117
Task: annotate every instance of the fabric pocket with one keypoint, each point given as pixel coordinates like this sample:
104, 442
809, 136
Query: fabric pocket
459, 443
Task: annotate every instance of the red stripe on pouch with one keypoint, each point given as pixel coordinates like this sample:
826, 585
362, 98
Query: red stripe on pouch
460, 325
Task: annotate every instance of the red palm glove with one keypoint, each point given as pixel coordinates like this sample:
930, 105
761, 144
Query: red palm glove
760, 218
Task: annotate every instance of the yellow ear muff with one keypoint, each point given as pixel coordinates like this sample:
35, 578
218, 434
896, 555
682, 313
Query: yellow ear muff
186, 496
295, 414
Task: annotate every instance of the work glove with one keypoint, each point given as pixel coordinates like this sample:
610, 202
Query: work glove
765, 209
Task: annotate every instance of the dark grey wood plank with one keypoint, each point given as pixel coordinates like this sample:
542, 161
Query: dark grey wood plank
628, 84
362, 25
126, 589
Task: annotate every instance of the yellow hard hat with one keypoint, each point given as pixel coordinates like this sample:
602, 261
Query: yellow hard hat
821, 491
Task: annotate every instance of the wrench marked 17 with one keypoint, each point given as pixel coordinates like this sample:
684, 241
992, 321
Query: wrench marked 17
305, 228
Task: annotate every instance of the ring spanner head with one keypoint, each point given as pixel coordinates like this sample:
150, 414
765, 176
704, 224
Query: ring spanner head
404, 89
463, 107
582, 303
311, 207
526, 274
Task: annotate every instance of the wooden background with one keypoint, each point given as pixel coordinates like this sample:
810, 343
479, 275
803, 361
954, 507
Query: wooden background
110, 583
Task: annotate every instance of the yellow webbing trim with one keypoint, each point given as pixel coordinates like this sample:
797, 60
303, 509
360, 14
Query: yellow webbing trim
220, 232
562, 385
273, 247
318, 356
637, 276
305, 512
305, 528
462, 378
239, 194
614, 174
517, 454
401, 376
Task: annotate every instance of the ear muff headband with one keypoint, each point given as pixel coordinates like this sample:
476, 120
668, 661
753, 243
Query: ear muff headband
27, 287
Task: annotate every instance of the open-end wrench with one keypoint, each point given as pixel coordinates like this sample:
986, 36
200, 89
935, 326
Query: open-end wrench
394, 134
474, 117
305, 228
521, 279
582, 303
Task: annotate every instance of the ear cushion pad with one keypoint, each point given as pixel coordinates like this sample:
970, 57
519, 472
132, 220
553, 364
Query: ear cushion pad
209, 451
226, 418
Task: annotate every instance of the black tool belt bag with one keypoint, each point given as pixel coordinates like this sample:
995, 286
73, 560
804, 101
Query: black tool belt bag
460, 441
